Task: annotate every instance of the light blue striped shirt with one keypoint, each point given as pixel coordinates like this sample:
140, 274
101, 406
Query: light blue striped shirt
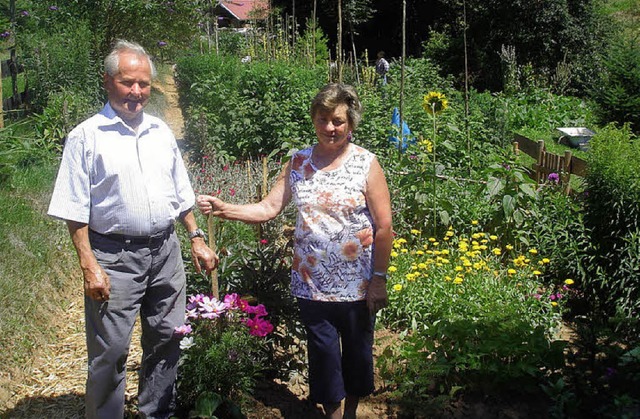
121, 182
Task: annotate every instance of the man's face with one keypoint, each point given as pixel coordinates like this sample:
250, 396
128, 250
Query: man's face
129, 90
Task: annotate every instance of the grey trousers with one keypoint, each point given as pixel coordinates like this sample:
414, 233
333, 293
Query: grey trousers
148, 279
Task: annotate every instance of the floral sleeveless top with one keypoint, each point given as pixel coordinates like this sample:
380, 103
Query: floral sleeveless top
333, 250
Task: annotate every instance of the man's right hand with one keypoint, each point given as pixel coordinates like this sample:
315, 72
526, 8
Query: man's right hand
96, 283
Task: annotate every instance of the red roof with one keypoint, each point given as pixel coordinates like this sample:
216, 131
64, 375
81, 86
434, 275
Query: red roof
246, 9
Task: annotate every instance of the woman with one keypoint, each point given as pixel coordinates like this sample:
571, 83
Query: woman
342, 244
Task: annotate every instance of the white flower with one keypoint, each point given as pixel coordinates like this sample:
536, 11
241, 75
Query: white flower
186, 342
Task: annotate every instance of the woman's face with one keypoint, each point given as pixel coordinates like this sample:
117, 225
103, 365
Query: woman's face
332, 127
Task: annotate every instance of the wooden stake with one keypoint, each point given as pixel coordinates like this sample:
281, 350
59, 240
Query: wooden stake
215, 292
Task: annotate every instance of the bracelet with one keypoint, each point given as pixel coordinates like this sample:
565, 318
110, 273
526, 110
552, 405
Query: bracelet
383, 275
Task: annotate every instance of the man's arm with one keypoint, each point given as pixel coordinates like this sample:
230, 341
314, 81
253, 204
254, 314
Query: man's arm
201, 255
96, 281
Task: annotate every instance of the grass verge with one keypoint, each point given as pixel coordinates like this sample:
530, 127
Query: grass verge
36, 270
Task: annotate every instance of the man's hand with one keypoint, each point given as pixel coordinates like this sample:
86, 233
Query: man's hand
202, 256
377, 295
96, 283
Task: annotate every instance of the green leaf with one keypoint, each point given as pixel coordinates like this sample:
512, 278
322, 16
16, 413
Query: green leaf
494, 186
206, 404
508, 205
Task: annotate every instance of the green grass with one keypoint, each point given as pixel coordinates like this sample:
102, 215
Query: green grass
36, 265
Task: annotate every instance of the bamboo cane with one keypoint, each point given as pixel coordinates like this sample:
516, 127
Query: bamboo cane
211, 227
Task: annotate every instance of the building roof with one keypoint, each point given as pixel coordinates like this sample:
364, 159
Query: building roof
246, 9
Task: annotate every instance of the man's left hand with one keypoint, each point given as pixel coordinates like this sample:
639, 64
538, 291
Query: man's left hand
203, 257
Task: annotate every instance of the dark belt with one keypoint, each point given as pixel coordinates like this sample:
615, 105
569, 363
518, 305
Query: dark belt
154, 239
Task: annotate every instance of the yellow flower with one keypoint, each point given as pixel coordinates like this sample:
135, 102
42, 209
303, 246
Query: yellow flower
553, 303
545, 260
533, 251
569, 281
509, 247
493, 237
511, 271
447, 278
420, 252
432, 239
474, 222
458, 280
434, 103
392, 268
397, 287
415, 232
449, 233
537, 273
427, 144
394, 254
404, 250
497, 251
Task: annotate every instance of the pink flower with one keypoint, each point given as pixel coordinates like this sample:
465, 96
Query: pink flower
232, 192
258, 326
259, 310
232, 301
211, 308
264, 241
183, 330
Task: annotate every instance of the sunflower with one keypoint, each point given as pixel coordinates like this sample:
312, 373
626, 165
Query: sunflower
434, 103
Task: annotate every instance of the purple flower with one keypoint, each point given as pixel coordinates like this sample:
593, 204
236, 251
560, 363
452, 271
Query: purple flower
24, 13
5, 34
53, 8
553, 177
162, 44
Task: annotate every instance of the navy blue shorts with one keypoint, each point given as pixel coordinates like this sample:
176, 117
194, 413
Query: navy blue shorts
340, 349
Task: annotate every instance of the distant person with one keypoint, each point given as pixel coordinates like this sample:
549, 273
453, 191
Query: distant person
121, 186
382, 67
342, 245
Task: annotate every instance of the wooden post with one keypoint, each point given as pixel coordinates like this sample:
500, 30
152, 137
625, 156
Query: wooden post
215, 291
1, 101
566, 172
265, 175
539, 160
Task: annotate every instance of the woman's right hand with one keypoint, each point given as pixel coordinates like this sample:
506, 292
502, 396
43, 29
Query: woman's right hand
208, 204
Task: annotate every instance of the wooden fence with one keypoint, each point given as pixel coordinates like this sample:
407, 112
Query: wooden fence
11, 68
547, 163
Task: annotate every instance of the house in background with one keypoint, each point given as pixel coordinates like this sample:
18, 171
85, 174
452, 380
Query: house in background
239, 13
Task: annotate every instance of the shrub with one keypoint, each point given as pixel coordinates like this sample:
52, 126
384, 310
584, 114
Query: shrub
223, 348
613, 218
475, 314
245, 110
62, 61
617, 92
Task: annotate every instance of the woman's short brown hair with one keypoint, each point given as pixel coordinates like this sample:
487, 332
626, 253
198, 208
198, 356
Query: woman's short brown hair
335, 94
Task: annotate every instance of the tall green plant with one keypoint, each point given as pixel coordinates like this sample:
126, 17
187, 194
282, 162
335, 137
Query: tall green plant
613, 217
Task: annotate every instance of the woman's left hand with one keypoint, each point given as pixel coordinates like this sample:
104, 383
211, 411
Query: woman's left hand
377, 295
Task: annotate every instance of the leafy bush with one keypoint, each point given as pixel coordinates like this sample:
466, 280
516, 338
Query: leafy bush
475, 314
222, 348
617, 92
62, 61
613, 218
243, 110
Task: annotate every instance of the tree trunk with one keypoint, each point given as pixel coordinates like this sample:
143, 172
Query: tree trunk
339, 52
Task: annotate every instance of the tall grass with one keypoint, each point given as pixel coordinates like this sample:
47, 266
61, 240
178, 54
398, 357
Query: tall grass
35, 262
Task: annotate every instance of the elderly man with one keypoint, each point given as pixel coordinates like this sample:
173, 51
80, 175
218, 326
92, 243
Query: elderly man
121, 186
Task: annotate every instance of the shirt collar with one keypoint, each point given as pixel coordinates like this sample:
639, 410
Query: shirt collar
110, 117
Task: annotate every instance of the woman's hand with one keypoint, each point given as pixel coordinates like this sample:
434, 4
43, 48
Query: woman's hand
377, 295
208, 204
